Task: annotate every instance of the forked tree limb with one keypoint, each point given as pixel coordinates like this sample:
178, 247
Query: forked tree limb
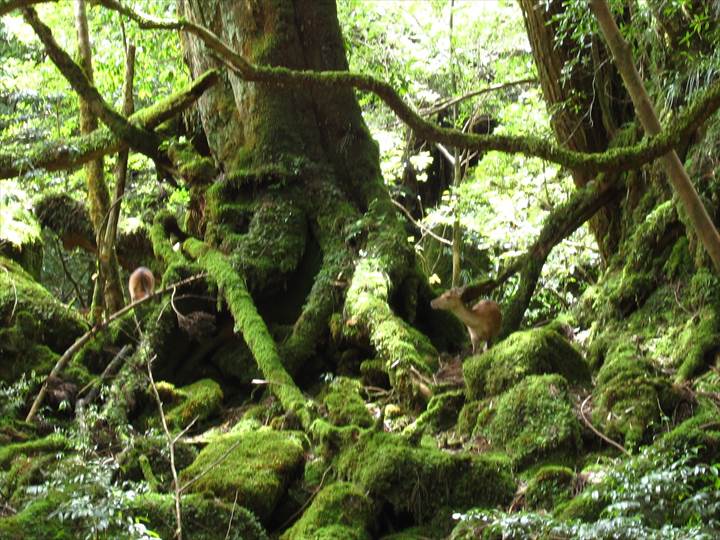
74, 151
558, 225
90, 334
701, 222
617, 160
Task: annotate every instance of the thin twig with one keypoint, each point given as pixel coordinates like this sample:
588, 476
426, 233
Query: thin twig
171, 449
419, 225
232, 514
598, 433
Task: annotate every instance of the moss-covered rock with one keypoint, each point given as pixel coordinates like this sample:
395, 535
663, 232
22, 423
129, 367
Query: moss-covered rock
530, 352
630, 397
345, 405
51, 443
533, 420
420, 481
340, 510
550, 486
201, 400
254, 466
34, 325
202, 518
34, 523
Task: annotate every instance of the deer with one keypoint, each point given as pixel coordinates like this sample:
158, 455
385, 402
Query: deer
141, 284
483, 320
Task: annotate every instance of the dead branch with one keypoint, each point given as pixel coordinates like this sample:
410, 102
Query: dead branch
596, 431
171, 449
85, 338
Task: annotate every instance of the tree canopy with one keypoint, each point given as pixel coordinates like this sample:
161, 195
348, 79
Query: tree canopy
302, 178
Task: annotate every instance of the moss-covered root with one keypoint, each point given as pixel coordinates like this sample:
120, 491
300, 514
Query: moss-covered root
251, 467
341, 510
255, 332
420, 481
406, 351
531, 352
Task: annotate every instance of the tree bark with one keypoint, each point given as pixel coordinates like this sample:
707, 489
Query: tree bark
578, 117
703, 226
98, 194
107, 255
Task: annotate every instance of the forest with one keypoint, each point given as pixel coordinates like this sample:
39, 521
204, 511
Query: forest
357, 269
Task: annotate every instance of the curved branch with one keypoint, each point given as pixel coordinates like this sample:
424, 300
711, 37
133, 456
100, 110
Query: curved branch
558, 225
6, 6
139, 139
618, 159
73, 152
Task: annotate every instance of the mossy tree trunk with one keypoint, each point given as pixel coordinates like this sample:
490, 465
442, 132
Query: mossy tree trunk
107, 294
299, 182
588, 105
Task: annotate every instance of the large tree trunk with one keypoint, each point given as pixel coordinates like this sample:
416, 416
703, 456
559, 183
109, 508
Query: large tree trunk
587, 106
300, 182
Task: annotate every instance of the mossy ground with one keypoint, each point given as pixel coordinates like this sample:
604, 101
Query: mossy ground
340, 510
254, 466
419, 480
345, 405
34, 325
197, 401
534, 420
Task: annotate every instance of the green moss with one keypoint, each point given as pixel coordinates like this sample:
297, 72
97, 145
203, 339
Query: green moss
255, 466
34, 325
468, 416
340, 510
629, 397
422, 480
51, 443
153, 449
585, 507
34, 523
533, 420
697, 343
202, 518
679, 263
200, 400
700, 432
345, 405
550, 486
531, 352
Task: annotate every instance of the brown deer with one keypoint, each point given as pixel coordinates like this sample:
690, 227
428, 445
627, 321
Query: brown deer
141, 284
483, 320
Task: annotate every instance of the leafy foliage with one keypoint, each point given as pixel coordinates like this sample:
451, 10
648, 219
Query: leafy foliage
654, 496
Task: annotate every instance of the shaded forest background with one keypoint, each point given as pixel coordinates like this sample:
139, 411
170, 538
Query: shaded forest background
297, 383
